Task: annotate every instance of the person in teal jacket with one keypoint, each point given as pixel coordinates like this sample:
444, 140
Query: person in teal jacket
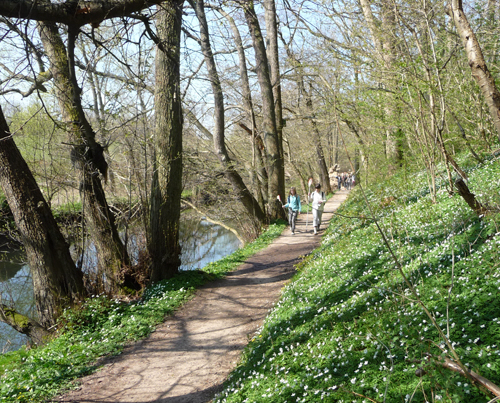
293, 205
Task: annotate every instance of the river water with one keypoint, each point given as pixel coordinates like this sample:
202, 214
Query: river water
202, 242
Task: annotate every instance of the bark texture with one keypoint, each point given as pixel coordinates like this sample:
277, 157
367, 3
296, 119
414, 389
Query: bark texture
166, 186
372, 26
469, 197
274, 64
57, 283
477, 63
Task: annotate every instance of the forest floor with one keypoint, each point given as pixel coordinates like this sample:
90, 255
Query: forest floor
190, 355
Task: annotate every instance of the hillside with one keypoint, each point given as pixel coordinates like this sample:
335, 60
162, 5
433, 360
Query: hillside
348, 328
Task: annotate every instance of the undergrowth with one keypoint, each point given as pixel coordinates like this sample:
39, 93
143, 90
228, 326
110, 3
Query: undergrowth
103, 327
347, 328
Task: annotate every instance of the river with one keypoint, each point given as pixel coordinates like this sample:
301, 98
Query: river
202, 242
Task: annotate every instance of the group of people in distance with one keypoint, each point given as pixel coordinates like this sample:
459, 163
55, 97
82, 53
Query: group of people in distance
317, 199
346, 180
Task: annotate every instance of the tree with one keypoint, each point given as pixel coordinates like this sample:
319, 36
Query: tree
73, 14
271, 137
88, 156
57, 283
477, 63
251, 205
382, 36
272, 51
320, 155
259, 171
87, 153
166, 186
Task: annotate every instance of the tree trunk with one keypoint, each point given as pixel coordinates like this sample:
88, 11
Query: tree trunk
357, 157
359, 153
271, 138
57, 283
336, 159
469, 197
320, 155
166, 186
38, 334
258, 163
293, 165
393, 147
249, 202
477, 63
385, 47
274, 64
88, 156
372, 26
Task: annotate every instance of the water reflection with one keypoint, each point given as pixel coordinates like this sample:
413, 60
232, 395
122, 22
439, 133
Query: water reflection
15, 287
8, 265
202, 242
208, 242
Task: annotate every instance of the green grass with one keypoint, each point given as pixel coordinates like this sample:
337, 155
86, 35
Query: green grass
70, 208
67, 209
347, 328
102, 327
186, 194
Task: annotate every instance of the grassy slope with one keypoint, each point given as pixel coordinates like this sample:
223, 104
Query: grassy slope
347, 329
103, 327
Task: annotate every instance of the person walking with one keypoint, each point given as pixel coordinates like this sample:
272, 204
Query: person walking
293, 205
318, 204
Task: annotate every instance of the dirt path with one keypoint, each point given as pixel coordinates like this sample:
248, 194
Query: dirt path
189, 356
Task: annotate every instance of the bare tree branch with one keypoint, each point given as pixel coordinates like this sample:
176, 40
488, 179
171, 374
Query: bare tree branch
73, 12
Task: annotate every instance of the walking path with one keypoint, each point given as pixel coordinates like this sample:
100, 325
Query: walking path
189, 356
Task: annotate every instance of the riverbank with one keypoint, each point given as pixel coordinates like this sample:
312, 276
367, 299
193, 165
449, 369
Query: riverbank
202, 243
102, 328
